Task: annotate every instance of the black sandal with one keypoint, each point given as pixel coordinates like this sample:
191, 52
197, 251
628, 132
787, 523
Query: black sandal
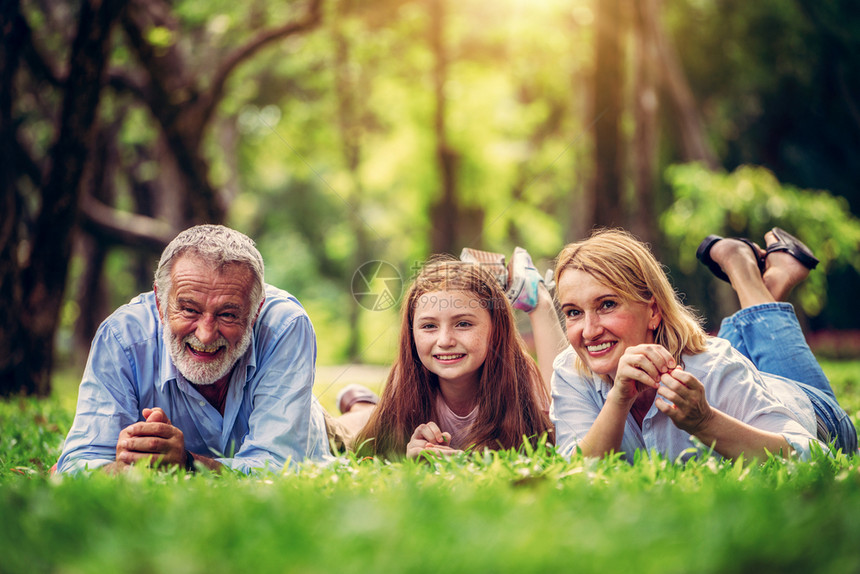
787, 242
703, 254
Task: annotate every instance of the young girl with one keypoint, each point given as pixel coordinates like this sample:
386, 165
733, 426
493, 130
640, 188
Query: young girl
642, 374
463, 377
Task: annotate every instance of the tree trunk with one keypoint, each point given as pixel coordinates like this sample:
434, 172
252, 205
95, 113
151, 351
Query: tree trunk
11, 352
444, 213
35, 249
92, 296
43, 280
608, 182
176, 102
645, 111
351, 129
684, 109
184, 108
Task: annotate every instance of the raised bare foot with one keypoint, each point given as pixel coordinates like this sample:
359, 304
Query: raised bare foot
782, 271
737, 259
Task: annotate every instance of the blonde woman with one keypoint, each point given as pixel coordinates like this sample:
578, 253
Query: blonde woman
641, 374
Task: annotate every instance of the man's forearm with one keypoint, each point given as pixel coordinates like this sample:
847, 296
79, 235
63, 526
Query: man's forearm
207, 462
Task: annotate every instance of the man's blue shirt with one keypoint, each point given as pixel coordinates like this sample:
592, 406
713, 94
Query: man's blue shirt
271, 417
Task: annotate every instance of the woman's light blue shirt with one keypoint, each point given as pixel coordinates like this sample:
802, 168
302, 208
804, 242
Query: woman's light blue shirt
732, 385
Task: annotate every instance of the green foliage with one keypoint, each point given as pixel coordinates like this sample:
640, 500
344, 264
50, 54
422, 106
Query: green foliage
364, 82
160, 37
771, 80
750, 201
517, 113
844, 377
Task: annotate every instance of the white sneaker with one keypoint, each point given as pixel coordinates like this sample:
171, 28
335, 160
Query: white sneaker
523, 281
492, 262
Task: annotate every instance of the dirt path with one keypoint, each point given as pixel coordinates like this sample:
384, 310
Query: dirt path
332, 378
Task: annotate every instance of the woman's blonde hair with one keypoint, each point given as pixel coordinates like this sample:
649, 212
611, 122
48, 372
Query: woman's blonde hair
512, 399
619, 261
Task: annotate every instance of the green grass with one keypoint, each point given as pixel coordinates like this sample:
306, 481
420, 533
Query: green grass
31, 435
498, 512
845, 379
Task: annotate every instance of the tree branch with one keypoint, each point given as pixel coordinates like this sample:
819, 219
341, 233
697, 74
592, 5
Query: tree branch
124, 228
45, 278
123, 82
173, 102
25, 162
39, 66
694, 141
311, 18
169, 88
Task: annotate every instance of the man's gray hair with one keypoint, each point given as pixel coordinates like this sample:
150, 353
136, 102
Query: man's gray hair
219, 246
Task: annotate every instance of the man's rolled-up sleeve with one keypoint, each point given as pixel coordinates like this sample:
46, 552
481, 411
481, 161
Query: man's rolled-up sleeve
107, 403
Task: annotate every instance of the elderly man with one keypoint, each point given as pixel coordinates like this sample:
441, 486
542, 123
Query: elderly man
212, 368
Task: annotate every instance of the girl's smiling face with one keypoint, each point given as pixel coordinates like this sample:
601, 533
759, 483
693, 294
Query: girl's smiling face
601, 324
452, 331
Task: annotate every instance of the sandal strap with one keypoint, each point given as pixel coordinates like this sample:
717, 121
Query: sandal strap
703, 254
787, 242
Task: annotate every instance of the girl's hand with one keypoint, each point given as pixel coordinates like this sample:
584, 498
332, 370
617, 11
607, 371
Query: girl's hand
689, 410
639, 367
429, 437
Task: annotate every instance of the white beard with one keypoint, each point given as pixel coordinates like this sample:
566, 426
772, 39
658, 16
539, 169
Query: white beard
204, 373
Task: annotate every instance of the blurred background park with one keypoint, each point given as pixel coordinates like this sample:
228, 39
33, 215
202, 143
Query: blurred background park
338, 133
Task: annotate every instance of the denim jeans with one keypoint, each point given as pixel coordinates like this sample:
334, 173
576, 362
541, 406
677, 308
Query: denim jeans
770, 336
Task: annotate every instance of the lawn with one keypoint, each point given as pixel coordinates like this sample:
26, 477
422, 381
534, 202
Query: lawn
496, 512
